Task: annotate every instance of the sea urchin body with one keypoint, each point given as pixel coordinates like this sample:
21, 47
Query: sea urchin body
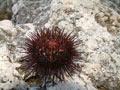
51, 54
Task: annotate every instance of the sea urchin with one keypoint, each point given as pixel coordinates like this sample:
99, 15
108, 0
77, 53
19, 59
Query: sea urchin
51, 54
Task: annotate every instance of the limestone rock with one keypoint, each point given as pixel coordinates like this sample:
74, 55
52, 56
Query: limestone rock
96, 27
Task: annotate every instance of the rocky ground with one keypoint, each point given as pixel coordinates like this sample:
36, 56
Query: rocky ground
97, 24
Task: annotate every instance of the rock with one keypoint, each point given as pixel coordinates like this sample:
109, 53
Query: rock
105, 18
118, 25
8, 55
6, 9
118, 19
6, 25
71, 2
101, 14
31, 12
7, 30
96, 40
62, 24
116, 1
6, 69
4, 80
112, 30
4, 53
113, 17
91, 44
96, 32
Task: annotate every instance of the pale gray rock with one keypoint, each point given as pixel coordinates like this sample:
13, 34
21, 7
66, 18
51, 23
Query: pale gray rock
6, 9
100, 66
116, 1
28, 11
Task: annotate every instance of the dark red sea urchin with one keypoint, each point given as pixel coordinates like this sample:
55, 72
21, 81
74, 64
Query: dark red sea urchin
51, 54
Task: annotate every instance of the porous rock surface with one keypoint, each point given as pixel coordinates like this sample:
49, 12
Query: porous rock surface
98, 31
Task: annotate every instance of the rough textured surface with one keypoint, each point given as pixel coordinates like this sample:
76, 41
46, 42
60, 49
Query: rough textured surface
116, 1
6, 9
98, 31
27, 11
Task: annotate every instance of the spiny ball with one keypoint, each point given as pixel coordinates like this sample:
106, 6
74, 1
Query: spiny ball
51, 54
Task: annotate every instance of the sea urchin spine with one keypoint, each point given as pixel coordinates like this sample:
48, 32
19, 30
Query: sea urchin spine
51, 54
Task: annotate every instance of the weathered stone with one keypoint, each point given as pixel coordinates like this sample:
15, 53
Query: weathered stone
118, 19
6, 9
100, 65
